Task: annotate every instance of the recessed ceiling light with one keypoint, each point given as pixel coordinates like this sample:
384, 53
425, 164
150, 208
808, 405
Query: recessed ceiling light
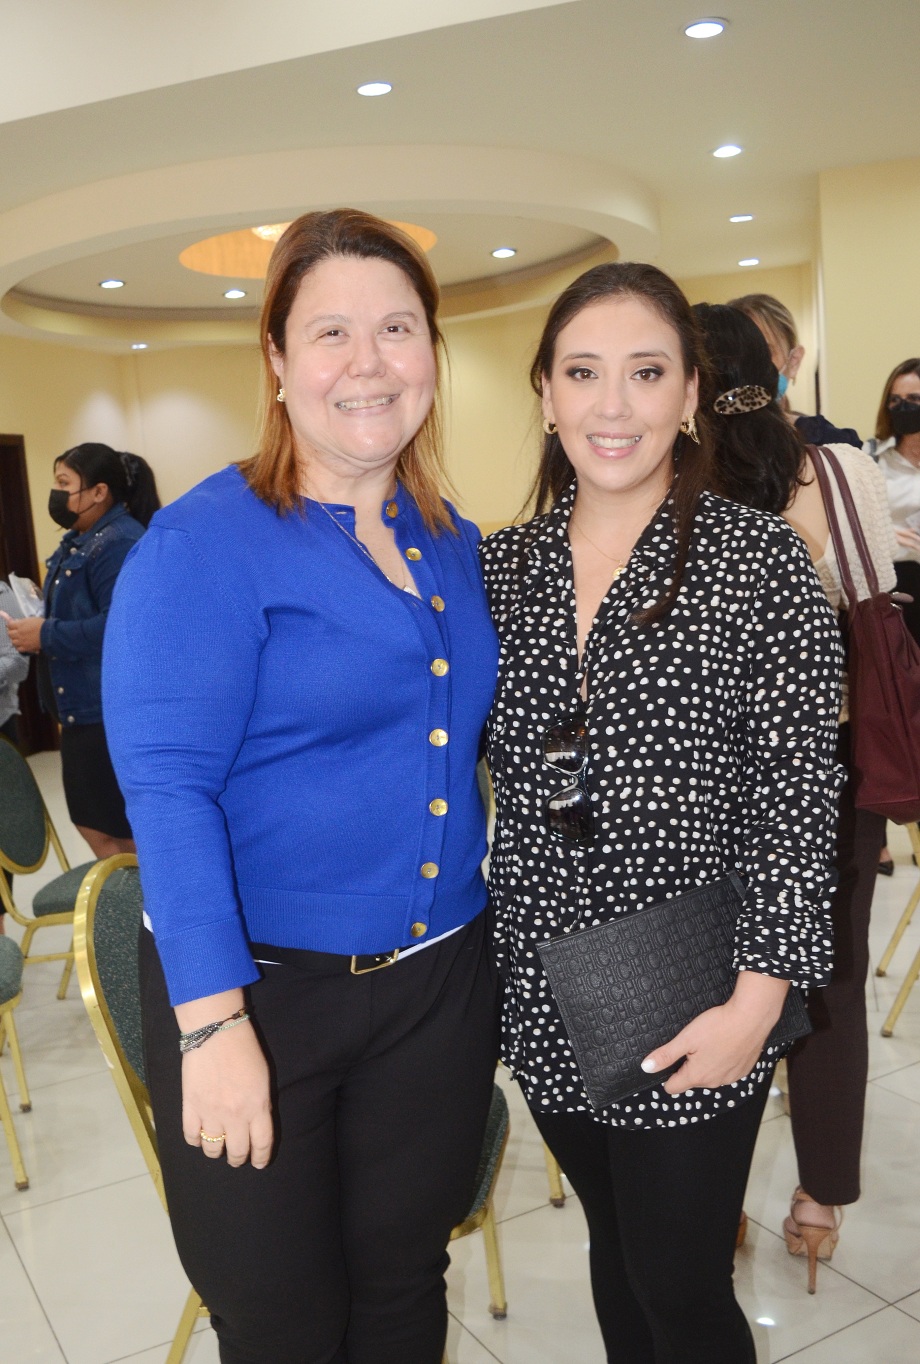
111, 284
138, 345
706, 28
372, 88
750, 260
741, 218
234, 293
270, 232
728, 150
503, 252
765, 1321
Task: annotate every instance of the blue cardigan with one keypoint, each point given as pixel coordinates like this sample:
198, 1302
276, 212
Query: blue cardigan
296, 738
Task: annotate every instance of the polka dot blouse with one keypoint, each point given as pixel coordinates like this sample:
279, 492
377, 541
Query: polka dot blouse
711, 748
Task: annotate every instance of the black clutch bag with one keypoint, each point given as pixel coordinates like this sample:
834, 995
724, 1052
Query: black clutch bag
628, 986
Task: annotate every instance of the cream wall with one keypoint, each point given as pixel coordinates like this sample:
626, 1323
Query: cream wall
55, 397
869, 234
191, 411
493, 427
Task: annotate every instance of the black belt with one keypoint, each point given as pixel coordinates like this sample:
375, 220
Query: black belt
358, 965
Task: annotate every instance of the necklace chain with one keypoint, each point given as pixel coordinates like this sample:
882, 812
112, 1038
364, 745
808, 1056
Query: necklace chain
405, 586
619, 564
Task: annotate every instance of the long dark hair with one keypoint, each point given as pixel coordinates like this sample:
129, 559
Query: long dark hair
628, 279
883, 429
272, 472
758, 457
128, 478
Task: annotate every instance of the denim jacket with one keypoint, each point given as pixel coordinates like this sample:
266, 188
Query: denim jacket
78, 592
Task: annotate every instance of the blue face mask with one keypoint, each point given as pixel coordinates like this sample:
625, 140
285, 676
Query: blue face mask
782, 385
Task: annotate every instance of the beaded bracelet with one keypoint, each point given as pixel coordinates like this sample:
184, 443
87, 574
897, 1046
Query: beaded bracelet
188, 1041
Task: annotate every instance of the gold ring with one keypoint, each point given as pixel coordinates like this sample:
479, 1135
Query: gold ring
204, 1136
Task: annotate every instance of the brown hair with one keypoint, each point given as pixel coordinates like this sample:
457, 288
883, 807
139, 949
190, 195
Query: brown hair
628, 279
883, 429
272, 472
769, 314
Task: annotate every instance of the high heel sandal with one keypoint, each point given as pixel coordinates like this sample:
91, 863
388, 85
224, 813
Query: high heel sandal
809, 1238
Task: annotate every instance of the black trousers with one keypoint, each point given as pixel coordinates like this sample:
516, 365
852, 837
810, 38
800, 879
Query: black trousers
663, 1207
335, 1254
828, 1069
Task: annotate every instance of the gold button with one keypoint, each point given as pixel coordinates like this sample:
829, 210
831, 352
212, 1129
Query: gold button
438, 807
419, 930
392, 509
438, 737
438, 603
440, 666
430, 870
413, 554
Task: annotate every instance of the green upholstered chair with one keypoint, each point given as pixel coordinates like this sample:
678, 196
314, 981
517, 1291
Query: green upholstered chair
10, 995
106, 930
26, 833
482, 1212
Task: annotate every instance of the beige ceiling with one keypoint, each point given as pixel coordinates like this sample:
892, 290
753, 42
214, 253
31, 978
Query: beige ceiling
552, 124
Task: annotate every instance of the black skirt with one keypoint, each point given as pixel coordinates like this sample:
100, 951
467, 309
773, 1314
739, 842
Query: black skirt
91, 789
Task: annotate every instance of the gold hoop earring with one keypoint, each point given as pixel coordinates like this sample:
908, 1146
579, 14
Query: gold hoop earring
688, 428
549, 427
280, 396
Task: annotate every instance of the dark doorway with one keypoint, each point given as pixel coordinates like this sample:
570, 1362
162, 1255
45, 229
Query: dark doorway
37, 731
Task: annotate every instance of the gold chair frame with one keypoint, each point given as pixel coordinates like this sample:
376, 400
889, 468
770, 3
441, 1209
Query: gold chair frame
913, 973
31, 923
132, 1092
8, 1031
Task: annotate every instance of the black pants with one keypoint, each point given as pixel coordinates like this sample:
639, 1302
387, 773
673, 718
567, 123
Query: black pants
828, 1069
663, 1207
335, 1254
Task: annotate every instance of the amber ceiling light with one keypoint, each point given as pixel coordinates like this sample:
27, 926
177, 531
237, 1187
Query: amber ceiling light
245, 254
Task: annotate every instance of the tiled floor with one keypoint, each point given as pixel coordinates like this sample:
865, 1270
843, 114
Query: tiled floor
88, 1274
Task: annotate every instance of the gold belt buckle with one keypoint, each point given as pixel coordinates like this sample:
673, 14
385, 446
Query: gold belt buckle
366, 970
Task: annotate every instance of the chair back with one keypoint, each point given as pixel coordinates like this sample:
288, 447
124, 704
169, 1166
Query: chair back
107, 925
23, 825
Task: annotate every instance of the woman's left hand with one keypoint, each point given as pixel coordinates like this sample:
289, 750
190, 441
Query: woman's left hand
723, 1044
26, 635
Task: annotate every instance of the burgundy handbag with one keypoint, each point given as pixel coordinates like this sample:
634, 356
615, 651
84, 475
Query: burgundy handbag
883, 671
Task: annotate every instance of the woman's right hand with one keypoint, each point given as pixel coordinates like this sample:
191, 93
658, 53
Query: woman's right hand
225, 1089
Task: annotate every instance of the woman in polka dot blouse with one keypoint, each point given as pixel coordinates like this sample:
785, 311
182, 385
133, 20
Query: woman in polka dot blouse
695, 638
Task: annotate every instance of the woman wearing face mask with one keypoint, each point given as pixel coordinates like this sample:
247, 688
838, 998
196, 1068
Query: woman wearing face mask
103, 499
899, 417
778, 327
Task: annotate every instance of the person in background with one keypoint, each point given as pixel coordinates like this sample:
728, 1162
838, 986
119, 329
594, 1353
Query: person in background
761, 462
103, 499
778, 327
897, 449
297, 676
680, 651
899, 420
14, 669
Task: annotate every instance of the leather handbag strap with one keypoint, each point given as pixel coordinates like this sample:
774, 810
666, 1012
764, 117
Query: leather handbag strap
819, 454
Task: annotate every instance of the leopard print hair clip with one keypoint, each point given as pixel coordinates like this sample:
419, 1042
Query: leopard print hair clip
747, 398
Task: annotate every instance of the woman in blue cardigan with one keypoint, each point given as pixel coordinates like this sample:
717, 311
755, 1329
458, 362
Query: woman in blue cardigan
298, 670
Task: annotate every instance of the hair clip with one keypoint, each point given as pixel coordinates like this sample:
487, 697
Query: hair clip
747, 398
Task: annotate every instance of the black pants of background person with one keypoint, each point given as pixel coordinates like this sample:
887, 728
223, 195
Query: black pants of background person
335, 1254
828, 1069
663, 1207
